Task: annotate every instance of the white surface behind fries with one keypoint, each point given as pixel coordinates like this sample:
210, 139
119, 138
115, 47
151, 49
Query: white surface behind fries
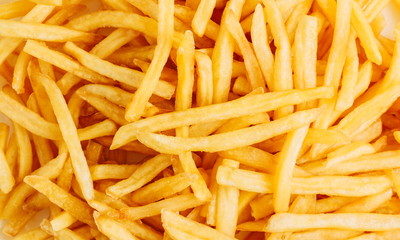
392, 14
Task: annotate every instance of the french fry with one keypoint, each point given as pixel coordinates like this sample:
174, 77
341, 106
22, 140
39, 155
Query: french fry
263, 183
223, 49
325, 233
202, 16
112, 228
261, 47
240, 107
51, 170
111, 171
15, 9
367, 204
20, 73
69, 132
65, 13
171, 219
349, 151
163, 188
282, 69
38, 14
125, 75
27, 118
42, 32
254, 74
215, 143
35, 233
186, 201
227, 204
348, 221
62, 61
62, 221
73, 205
204, 79
144, 174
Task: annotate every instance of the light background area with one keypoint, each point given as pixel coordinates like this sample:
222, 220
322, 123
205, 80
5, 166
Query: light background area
392, 15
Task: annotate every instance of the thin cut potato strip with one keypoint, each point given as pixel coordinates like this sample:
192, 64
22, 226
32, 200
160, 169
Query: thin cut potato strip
351, 221
199, 119
215, 143
243, 106
42, 32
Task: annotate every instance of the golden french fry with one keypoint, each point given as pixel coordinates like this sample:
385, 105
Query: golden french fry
15, 9
135, 108
68, 131
240, 107
61, 221
144, 174
111, 171
186, 201
64, 13
125, 75
202, 16
42, 32
27, 118
73, 205
204, 79
367, 204
171, 219
215, 143
35, 233
348, 221
112, 228
263, 183
349, 151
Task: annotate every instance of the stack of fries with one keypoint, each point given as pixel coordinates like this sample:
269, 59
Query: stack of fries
199, 119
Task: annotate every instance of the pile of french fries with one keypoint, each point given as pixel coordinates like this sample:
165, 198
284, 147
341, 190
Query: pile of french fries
199, 119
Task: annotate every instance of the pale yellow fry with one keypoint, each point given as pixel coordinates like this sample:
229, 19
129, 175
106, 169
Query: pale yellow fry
163, 188
27, 118
107, 108
186, 201
7, 179
135, 108
367, 204
330, 185
103, 49
364, 31
337, 54
125, 75
76, 207
261, 46
62, 61
65, 13
331, 204
183, 100
227, 211
254, 74
334, 234
350, 77
66, 234
61, 221
144, 174
202, 16
223, 141
15, 9
262, 206
104, 128
367, 163
25, 153
69, 133
38, 14
112, 228
50, 2
121, 5
282, 64
18, 83
17, 222
174, 233
350, 221
222, 54
285, 166
171, 219
305, 55
252, 157
293, 22
242, 122
368, 112
4, 131
42, 32
241, 86
240, 107
92, 21
349, 151
111, 171
204, 90
36, 233
112, 42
